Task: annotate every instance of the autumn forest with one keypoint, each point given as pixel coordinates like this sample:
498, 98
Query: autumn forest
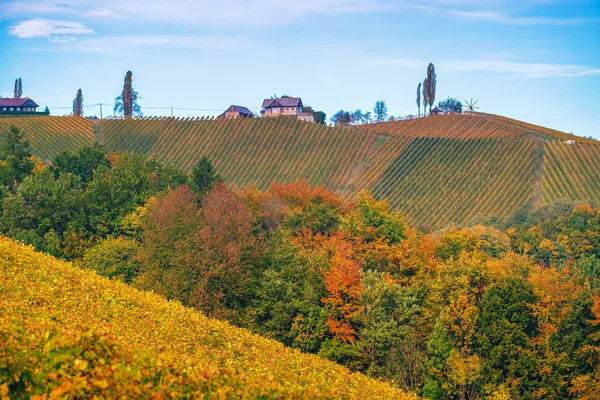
488, 309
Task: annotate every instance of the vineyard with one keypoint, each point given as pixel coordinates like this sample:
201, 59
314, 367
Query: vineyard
68, 333
571, 172
468, 126
246, 152
435, 180
51, 135
436, 170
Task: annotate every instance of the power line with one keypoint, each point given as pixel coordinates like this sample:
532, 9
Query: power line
149, 107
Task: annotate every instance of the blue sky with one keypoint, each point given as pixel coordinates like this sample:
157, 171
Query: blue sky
538, 61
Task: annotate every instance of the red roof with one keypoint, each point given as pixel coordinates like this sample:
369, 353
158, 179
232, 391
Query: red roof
10, 102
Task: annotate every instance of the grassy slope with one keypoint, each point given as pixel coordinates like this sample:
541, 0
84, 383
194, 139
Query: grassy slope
436, 170
68, 331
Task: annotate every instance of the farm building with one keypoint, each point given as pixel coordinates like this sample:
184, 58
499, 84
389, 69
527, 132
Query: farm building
290, 106
436, 111
11, 106
236, 112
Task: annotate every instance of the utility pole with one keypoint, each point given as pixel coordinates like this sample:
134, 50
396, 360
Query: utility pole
171, 111
100, 110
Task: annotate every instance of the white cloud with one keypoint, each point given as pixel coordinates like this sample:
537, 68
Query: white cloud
523, 69
507, 68
102, 14
222, 13
503, 18
115, 44
40, 27
265, 13
62, 39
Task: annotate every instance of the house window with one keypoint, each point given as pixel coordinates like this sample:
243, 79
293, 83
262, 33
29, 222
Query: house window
12, 109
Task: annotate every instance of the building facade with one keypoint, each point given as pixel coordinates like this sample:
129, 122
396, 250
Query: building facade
10, 105
285, 106
236, 112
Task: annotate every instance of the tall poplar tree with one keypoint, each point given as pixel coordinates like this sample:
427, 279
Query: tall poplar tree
425, 96
18, 88
127, 96
431, 85
127, 102
78, 104
419, 99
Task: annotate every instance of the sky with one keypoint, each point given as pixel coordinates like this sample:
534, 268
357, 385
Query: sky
533, 60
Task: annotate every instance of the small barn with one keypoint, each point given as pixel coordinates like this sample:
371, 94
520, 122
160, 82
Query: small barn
436, 111
236, 112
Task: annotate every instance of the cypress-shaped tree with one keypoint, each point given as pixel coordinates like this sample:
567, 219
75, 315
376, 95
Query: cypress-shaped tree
78, 104
431, 85
127, 96
419, 99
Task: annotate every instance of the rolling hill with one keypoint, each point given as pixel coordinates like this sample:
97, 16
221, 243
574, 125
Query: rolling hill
68, 333
436, 170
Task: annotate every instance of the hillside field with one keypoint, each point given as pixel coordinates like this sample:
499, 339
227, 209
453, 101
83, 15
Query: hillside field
437, 170
68, 333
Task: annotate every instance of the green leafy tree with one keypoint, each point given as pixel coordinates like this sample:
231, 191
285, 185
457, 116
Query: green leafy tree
505, 329
358, 117
204, 176
287, 304
450, 105
342, 118
372, 220
380, 111
16, 156
83, 164
116, 191
387, 326
42, 209
115, 258
320, 117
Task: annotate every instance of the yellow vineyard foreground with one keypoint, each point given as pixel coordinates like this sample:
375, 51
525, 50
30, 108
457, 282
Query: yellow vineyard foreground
68, 333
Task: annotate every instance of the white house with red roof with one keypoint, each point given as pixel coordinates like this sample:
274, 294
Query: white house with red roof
12, 105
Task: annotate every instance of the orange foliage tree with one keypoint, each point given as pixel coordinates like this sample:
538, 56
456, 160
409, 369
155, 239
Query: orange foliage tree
343, 283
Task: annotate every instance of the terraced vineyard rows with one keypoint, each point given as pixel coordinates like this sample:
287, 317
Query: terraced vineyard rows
456, 126
436, 170
435, 181
246, 152
51, 135
571, 172
540, 129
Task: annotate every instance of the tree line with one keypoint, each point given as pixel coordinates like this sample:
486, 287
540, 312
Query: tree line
426, 93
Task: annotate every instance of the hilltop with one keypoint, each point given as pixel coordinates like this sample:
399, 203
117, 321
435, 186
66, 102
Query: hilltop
437, 170
65, 331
